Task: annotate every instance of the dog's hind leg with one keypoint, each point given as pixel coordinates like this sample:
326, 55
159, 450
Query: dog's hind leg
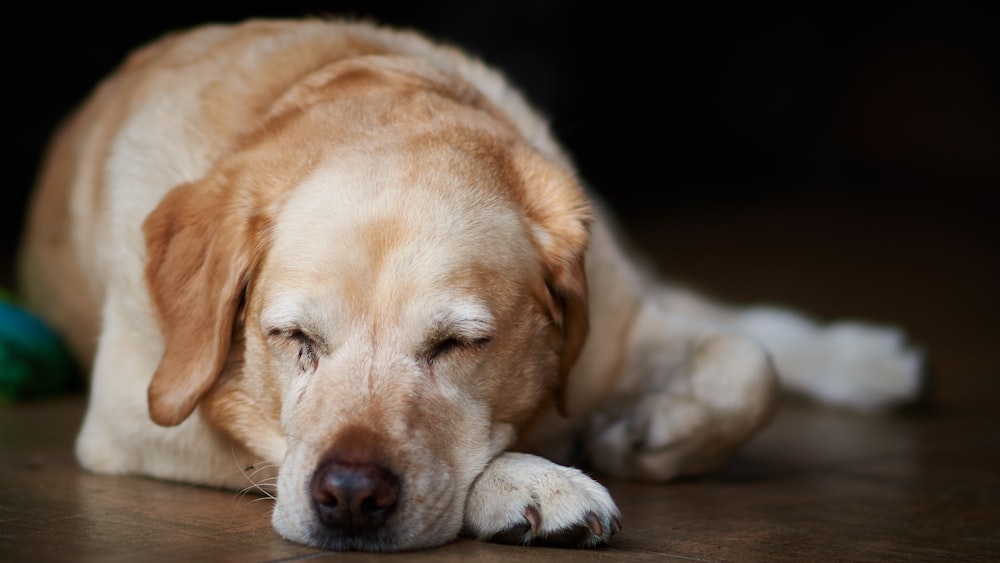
690, 395
671, 383
700, 378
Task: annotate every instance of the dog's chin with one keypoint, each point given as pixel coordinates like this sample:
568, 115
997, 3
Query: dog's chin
399, 533
384, 540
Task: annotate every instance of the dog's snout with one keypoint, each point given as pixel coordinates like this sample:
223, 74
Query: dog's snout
354, 496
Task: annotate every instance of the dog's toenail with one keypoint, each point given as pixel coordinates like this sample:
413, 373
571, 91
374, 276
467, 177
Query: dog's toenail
594, 523
533, 517
616, 526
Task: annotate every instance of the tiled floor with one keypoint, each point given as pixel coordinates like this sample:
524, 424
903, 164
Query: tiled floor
816, 485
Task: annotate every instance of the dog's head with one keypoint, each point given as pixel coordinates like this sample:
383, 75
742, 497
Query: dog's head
374, 290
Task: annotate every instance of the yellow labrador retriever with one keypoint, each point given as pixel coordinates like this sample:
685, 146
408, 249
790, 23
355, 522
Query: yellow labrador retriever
358, 259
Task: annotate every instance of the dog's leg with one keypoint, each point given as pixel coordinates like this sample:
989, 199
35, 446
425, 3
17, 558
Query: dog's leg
117, 435
690, 393
654, 394
699, 380
525, 499
694, 378
117, 409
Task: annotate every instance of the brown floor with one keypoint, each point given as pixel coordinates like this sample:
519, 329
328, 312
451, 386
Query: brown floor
816, 485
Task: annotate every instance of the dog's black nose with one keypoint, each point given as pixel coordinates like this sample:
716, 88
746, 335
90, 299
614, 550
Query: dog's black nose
354, 496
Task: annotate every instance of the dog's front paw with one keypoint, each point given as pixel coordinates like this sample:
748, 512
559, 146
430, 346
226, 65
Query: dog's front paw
526, 499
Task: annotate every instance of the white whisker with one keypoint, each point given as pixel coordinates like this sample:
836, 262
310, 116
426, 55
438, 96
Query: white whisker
256, 486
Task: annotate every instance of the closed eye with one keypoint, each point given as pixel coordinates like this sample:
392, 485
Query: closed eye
454, 344
289, 335
297, 342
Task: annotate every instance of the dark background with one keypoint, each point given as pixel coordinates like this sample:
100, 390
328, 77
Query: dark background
671, 111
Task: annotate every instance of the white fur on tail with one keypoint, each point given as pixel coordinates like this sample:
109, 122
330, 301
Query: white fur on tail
857, 365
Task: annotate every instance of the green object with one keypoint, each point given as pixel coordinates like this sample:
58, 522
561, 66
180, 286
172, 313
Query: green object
34, 360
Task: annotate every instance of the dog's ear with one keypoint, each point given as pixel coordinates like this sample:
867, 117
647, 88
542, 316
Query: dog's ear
561, 215
569, 310
199, 254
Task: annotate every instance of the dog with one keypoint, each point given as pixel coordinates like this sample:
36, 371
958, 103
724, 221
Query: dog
355, 259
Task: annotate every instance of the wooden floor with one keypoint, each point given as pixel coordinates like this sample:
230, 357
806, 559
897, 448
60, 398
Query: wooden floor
816, 485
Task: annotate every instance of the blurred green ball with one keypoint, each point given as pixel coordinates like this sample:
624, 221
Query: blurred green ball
34, 360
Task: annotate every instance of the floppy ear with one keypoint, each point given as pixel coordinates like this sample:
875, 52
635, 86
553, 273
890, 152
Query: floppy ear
569, 311
560, 214
199, 254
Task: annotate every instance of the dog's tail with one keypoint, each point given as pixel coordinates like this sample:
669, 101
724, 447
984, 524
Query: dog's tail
849, 363
853, 364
